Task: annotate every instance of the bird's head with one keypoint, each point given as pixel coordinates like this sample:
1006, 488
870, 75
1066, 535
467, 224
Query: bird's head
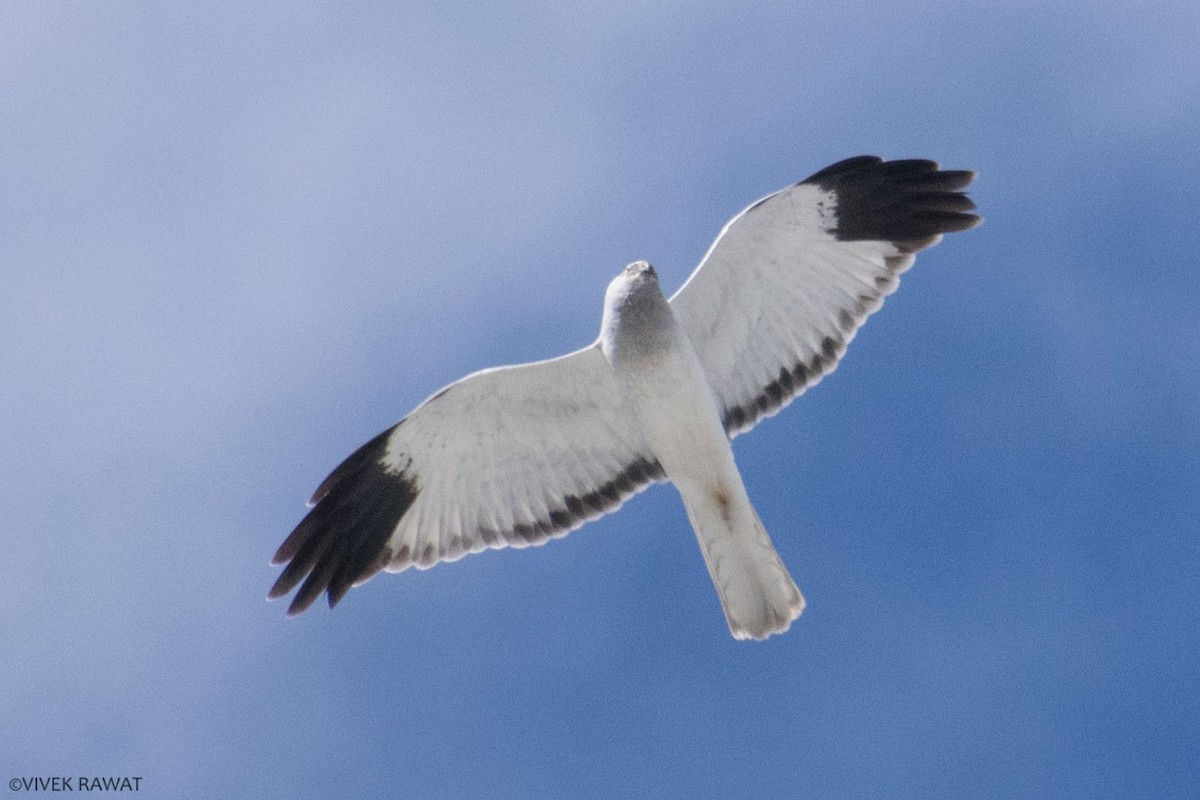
637, 280
639, 269
634, 303
634, 279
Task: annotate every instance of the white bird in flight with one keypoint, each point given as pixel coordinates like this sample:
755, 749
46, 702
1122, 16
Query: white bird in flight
517, 455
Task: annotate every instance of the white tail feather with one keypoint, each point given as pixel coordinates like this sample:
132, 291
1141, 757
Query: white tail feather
757, 594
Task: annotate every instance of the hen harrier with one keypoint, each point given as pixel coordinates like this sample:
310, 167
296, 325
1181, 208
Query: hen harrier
517, 455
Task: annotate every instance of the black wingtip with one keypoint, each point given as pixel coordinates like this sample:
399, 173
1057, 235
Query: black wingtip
898, 201
343, 539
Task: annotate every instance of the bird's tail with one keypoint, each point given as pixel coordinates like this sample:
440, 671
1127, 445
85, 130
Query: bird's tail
757, 594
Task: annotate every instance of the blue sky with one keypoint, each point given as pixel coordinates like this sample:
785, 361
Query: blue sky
239, 241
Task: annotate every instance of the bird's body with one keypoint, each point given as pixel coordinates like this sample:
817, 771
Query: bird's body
514, 456
670, 401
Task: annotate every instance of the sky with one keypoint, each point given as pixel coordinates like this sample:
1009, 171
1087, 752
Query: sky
238, 240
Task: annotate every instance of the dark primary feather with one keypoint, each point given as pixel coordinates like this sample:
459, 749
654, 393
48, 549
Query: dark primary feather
896, 201
343, 539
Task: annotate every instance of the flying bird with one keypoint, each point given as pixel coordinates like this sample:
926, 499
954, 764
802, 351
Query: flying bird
514, 456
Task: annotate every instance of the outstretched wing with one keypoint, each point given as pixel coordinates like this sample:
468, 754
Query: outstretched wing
507, 456
790, 279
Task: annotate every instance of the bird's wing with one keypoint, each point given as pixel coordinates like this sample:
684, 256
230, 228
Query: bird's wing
790, 279
507, 456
